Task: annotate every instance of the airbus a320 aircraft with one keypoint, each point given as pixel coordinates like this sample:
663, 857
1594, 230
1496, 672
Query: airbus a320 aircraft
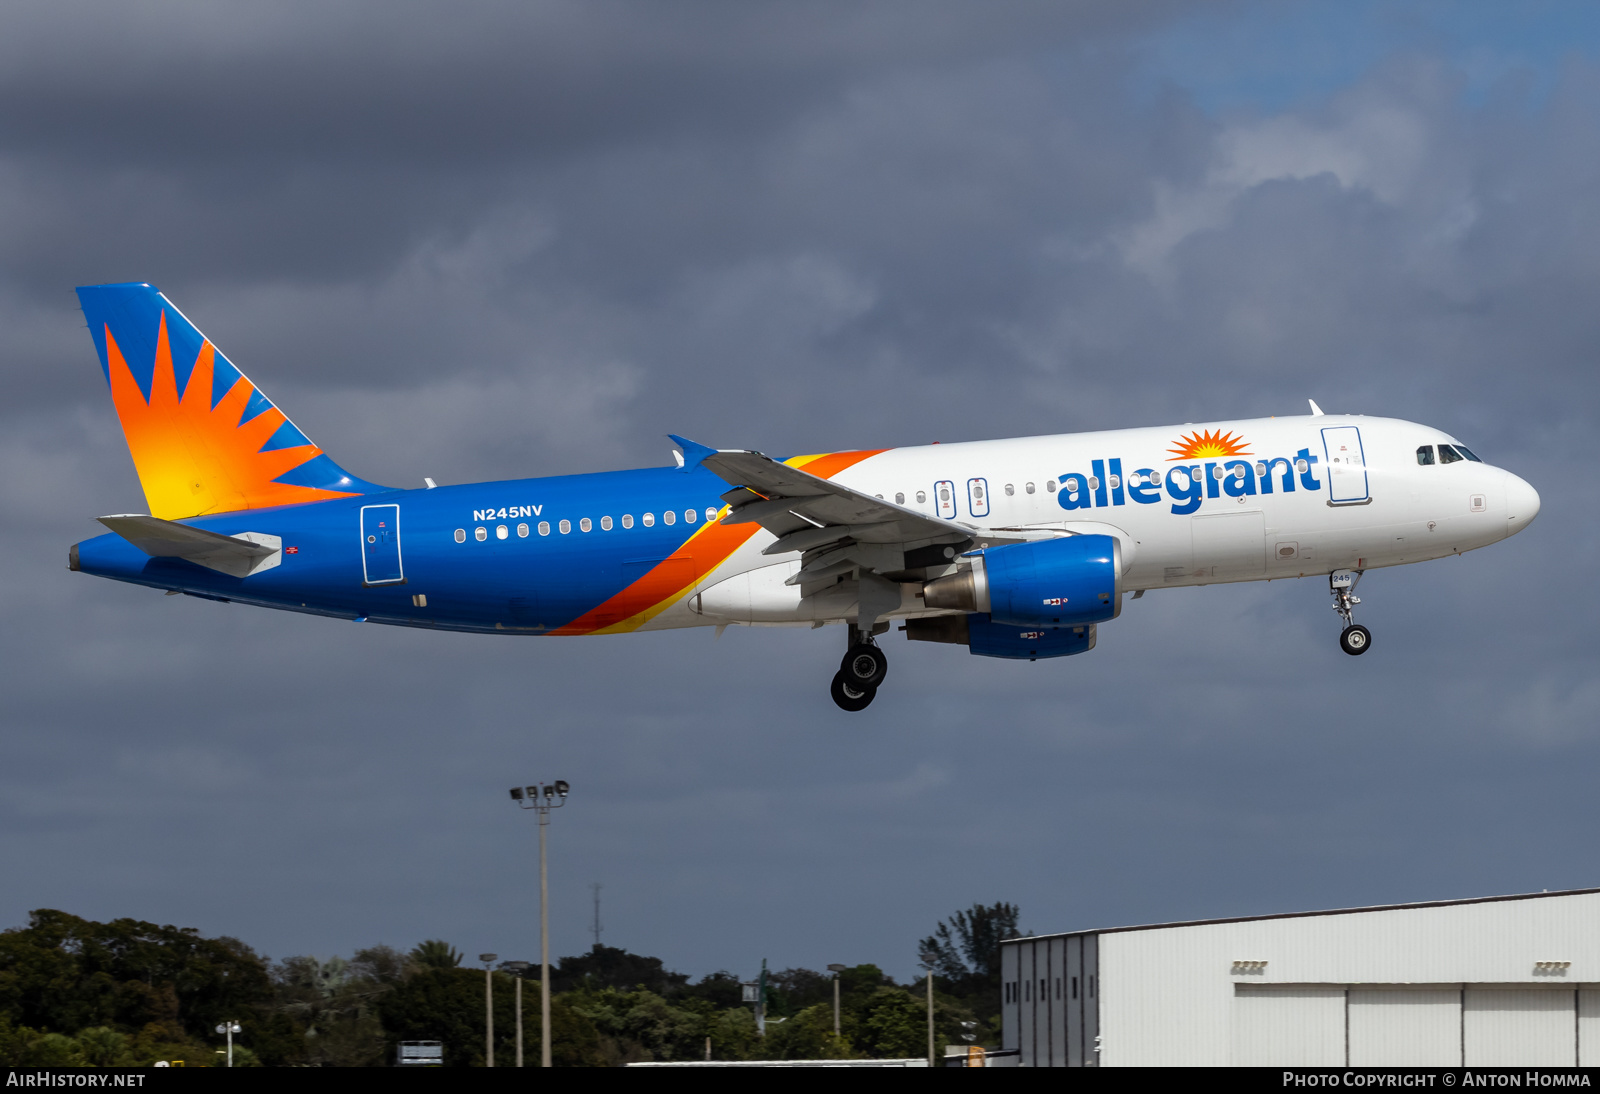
1012, 548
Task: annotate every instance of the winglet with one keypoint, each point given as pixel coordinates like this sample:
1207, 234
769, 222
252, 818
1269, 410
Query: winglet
693, 453
1316, 411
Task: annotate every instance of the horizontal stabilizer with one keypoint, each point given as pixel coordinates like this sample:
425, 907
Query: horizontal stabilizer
238, 556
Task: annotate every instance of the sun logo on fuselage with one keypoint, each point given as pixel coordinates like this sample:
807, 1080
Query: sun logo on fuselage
1200, 446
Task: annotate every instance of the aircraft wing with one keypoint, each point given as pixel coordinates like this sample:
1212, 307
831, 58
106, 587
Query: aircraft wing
835, 529
237, 556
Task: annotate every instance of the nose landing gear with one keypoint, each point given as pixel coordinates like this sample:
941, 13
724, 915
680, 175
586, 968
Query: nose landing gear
855, 685
1354, 639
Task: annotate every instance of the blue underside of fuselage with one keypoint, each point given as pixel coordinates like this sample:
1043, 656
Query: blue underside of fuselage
517, 585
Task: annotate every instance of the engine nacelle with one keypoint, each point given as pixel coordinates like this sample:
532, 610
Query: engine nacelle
1064, 582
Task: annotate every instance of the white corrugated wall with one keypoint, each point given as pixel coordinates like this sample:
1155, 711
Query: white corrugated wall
1172, 995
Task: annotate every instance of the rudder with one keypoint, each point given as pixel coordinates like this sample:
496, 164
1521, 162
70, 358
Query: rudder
204, 439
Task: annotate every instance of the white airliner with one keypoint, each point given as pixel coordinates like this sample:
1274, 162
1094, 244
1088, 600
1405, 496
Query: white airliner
1014, 548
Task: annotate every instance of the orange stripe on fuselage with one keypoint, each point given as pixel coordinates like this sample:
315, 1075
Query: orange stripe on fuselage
671, 580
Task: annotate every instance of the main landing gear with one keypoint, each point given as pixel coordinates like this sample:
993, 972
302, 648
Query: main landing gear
855, 685
1354, 639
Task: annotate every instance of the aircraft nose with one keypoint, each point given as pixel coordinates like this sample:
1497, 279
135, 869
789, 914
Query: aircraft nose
1522, 504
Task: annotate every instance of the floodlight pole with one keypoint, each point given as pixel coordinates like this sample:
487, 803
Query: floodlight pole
542, 799
230, 1027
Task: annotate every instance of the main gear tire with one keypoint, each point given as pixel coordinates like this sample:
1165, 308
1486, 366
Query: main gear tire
865, 665
849, 695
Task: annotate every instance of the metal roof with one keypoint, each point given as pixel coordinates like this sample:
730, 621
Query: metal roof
1306, 915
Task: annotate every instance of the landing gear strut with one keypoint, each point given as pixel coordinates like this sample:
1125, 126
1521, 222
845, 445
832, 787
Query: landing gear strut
1354, 639
862, 670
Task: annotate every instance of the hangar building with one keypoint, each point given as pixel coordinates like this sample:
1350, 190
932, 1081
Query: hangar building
1499, 981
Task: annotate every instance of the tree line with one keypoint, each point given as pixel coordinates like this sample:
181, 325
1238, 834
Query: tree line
74, 992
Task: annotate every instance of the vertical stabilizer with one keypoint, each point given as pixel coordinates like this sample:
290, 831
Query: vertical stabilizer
204, 439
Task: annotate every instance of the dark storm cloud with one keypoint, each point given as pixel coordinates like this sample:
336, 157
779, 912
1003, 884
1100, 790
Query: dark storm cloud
522, 239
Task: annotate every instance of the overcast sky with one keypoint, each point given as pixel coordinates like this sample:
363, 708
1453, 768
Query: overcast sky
495, 240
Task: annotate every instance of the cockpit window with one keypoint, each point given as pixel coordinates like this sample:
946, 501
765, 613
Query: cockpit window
1448, 454
1467, 452
1425, 455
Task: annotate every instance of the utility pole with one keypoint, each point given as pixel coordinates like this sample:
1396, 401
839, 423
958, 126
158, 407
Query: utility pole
836, 970
519, 969
930, 1019
596, 887
542, 799
761, 1002
488, 1006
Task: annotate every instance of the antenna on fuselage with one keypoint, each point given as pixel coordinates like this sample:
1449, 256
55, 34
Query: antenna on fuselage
1316, 411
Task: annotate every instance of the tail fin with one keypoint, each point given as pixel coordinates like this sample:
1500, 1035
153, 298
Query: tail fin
203, 438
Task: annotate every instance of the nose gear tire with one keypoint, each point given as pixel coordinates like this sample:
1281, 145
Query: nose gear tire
1355, 640
849, 695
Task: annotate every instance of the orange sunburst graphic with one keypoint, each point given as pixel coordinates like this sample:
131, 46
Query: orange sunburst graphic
1199, 446
192, 458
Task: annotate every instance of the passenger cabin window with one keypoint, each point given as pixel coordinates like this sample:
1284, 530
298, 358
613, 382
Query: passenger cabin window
1425, 456
711, 513
586, 524
1010, 490
461, 535
649, 520
688, 516
1448, 454
544, 528
565, 526
627, 520
480, 534
522, 531
669, 517
501, 532
899, 499
922, 497
1028, 487
605, 524
1050, 487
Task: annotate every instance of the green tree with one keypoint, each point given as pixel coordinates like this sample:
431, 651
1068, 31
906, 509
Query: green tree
964, 950
446, 1004
64, 974
640, 1025
102, 1046
807, 1035
733, 1034
893, 1025
434, 954
610, 967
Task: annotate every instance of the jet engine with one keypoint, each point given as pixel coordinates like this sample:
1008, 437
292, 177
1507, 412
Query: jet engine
1066, 582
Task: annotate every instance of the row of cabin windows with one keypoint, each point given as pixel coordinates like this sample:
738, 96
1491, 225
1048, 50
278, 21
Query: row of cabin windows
1448, 453
1022, 990
944, 493
502, 531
